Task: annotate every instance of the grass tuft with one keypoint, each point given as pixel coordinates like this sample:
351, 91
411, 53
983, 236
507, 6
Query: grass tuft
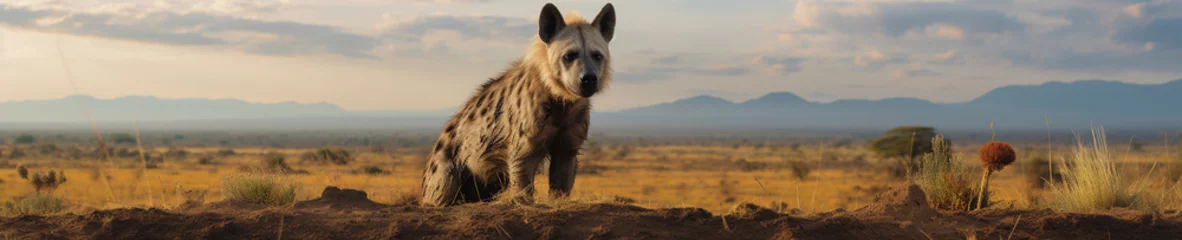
265, 189
1093, 182
947, 182
36, 204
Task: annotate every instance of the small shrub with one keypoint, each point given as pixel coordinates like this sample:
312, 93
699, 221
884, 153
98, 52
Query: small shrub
748, 166
191, 196
947, 183
273, 163
1092, 181
800, 169
16, 153
903, 145
225, 153
36, 204
623, 152
265, 189
43, 183
374, 170
1037, 173
47, 149
206, 160
176, 153
338, 156
24, 139
122, 138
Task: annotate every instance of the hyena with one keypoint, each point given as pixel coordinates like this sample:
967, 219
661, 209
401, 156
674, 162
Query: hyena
537, 109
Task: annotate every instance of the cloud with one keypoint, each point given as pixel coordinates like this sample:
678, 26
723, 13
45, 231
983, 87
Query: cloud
235, 7
658, 73
778, 65
920, 72
875, 59
894, 19
196, 29
438, 34
448, 1
471, 27
948, 57
671, 59
1064, 59
1161, 34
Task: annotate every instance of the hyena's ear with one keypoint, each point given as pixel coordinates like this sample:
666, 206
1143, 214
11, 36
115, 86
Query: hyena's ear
550, 23
606, 22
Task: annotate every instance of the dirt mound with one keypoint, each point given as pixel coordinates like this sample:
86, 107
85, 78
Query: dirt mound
347, 214
341, 199
906, 202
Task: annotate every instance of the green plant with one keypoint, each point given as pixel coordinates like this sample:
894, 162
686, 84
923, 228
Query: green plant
903, 144
36, 204
947, 183
24, 139
265, 189
122, 138
1092, 180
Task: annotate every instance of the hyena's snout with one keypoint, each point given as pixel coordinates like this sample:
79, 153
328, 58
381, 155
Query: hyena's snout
589, 84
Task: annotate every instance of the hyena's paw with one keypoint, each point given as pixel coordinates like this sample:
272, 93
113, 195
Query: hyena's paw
518, 198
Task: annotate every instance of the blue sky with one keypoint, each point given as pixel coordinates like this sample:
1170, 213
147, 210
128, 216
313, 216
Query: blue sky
425, 54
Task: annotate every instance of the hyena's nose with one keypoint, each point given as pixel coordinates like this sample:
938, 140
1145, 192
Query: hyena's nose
588, 85
589, 79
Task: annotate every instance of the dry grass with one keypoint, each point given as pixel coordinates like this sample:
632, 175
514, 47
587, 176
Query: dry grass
36, 204
947, 182
1093, 181
266, 189
687, 176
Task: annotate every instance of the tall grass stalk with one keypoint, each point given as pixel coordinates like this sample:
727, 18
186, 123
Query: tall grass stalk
1092, 180
94, 127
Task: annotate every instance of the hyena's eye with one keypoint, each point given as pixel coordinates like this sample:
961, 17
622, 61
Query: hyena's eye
571, 56
597, 56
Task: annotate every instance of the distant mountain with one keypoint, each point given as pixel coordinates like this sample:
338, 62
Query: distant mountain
1068, 104
1086, 96
144, 108
1076, 103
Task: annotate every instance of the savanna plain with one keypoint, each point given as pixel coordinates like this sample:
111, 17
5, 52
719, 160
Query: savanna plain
902, 183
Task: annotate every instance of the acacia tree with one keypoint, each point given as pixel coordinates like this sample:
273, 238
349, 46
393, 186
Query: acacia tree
903, 144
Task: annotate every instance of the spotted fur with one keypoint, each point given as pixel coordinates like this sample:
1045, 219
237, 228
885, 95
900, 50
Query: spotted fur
535, 110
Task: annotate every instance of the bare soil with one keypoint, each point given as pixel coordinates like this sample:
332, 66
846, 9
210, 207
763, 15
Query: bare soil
900, 213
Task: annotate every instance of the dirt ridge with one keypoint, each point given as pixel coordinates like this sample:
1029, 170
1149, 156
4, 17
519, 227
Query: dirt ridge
901, 213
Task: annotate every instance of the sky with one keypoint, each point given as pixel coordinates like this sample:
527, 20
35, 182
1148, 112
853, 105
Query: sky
432, 54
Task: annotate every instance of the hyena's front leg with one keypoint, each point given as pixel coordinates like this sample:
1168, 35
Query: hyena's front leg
564, 158
441, 184
563, 164
521, 178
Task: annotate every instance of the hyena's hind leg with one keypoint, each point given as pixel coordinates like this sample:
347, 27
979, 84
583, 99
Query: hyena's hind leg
442, 183
475, 189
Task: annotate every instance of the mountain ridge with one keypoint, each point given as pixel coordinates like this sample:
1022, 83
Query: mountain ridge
1081, 101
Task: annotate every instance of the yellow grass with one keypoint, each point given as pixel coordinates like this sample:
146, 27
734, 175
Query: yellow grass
653, 176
